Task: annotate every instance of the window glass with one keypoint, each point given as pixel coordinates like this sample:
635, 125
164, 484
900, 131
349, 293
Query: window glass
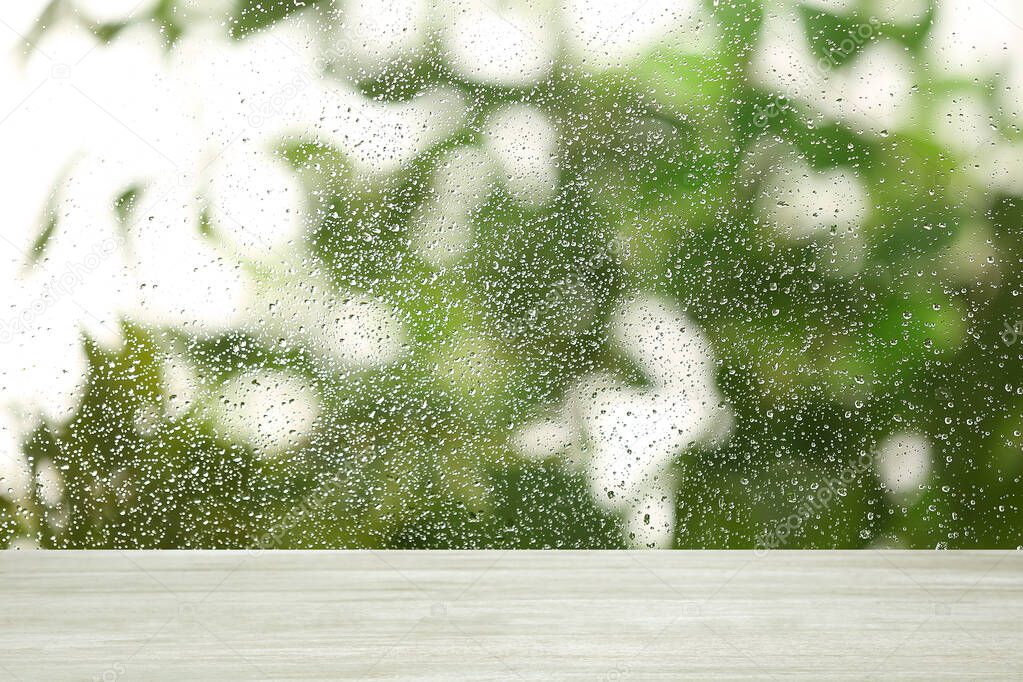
516, 274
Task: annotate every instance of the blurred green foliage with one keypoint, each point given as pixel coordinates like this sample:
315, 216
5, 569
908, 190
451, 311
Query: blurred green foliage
817, 368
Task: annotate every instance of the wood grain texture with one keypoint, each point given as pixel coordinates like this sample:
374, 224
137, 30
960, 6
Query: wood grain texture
515, 615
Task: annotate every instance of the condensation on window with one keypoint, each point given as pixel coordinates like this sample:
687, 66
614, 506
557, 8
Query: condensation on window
511, 274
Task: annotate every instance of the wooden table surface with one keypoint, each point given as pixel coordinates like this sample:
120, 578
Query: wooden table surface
510, 615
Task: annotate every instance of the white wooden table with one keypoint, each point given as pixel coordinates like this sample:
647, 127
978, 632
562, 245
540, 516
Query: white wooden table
516, 615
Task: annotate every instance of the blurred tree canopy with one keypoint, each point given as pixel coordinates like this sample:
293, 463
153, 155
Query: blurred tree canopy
824, 344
